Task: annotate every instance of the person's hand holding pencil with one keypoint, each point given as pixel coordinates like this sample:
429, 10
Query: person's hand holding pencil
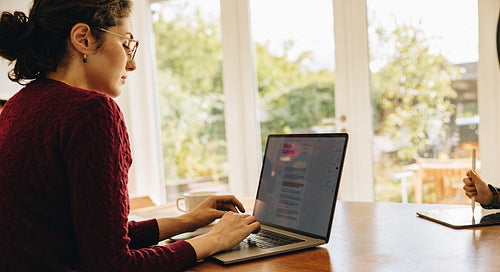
475, 188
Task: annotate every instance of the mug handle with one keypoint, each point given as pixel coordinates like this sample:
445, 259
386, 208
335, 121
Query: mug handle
178, 206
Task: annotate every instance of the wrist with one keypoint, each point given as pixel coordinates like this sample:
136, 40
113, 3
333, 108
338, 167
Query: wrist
188, 221
205, 245
171, 226
490, 199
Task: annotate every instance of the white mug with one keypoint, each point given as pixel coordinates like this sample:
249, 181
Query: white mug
193, 199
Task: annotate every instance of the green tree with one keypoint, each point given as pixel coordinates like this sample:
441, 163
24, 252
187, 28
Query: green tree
412, 93
294, 97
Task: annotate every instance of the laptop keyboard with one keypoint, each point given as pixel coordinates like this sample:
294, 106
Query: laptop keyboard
269, 239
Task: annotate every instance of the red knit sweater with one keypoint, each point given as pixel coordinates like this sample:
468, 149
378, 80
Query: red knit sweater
64, 160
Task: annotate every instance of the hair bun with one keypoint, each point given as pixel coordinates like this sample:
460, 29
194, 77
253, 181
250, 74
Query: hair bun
12, 30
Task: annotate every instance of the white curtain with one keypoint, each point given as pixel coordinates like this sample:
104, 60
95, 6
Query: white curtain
139, 104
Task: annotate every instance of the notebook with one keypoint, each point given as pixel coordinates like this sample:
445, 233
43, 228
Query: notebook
296, 197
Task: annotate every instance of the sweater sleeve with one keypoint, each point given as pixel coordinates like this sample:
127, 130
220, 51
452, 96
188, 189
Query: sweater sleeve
143, 233
496, 198
96, 152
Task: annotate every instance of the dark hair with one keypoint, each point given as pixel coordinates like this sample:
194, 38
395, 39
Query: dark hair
38, 43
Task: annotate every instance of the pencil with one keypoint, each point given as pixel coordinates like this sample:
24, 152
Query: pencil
473, 198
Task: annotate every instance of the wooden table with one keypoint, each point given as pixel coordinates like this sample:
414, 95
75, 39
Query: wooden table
368, 236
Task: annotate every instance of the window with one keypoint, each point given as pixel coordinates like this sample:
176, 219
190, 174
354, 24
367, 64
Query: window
294, 47
424, 92
351, 83
189, 60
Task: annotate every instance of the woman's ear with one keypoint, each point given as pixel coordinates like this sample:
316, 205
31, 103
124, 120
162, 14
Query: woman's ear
82, 39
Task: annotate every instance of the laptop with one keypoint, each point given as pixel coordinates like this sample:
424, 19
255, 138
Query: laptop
296, 197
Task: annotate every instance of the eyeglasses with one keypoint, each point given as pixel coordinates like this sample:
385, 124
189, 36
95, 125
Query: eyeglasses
132, 44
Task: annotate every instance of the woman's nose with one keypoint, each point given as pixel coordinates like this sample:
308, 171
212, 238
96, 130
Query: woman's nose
131, 65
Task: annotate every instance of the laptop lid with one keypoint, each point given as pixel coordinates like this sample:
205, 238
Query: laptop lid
299, 182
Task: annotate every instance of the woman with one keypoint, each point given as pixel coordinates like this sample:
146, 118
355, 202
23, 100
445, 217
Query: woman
65, 152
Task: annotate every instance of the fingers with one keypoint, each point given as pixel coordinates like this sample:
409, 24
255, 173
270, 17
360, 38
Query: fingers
244, 216
229, 203
470, 191
252, 222
233, 228
470, 188
256, 226
472, 174
247, 220
468, 182
470, 194
472, 178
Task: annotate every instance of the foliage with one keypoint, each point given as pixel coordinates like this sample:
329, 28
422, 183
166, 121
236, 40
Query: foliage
412, 94
191, 98
189, 57
294, 98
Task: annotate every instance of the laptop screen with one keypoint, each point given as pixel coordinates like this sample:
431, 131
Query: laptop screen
299, 181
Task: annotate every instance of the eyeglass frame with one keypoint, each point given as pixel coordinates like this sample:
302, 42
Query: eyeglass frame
132, 51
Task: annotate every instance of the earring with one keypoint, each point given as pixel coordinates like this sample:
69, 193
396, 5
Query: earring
84, 58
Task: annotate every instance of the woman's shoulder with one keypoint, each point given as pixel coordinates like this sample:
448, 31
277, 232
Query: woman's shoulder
65, 91
69, 98
67, 106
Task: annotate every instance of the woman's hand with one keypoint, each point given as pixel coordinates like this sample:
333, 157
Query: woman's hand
228, 232
213, 208
474, 185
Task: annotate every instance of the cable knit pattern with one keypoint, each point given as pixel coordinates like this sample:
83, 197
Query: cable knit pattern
64, 161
